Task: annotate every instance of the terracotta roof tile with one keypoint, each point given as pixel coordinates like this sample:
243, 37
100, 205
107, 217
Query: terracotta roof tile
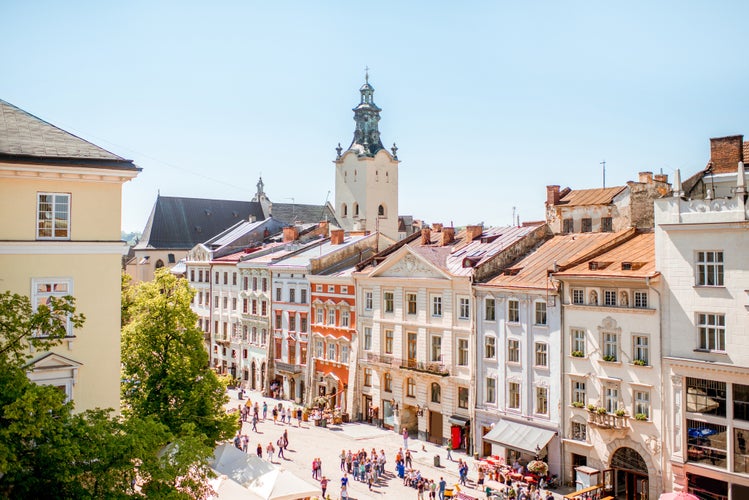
635, 258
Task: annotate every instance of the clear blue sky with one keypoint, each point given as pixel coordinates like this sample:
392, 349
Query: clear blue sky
488, 101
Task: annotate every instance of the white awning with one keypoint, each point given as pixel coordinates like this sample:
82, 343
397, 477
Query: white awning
519, 436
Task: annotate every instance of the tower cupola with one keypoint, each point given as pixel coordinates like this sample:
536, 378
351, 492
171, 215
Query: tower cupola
367, 117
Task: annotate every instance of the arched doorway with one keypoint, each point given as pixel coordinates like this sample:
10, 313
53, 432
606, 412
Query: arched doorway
254, 376
630, 475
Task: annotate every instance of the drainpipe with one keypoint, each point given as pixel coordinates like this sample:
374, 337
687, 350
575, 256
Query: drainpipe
562, 389
660, 359
474, 364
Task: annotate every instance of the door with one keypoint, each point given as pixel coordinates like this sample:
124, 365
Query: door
411, 349
367, 409
487, 446
455, 432
435, 427
292, 389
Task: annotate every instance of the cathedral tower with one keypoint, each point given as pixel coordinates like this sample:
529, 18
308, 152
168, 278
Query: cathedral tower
366, 174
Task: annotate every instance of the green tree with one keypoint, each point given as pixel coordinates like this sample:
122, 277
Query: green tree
165, 364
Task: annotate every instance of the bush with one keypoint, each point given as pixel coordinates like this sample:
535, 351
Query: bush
578, 354
620, 413
641, 416
591, 407
639, 362
609, 357
601, 410
577, 404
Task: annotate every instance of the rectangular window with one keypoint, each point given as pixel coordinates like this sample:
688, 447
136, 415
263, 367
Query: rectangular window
302, 353
491, 390
490, 312
216, 278
611, 398
606, 225
741, 402
542, 354
578, 392
44, 289
331, 288
436, 348
226, 303
463, 352
53, 216
264, 308
513, 395
192, 275
278, 295
389, 302
567, 226
331, 351
319, 314
367, 338
542, 400
642, 403
641, 299
344, 354
367, 377
200, 275
226, 278
265, 284
234, 279
345, 318
410, 387
254, 284
318, 288
344, 289
292, 295
318, 349
303, 298
292, 322
513, 351
254, 306
368, 301
233, 303
411, 303
640, 350
707, 445
578, 296
411, 347
462, 397
710, 268
303, 324
490, 347
540, 313
389, 337
513, 311
609, 297
706, 396
586, 225
331, 316
436, 306
464, 308
579, 431
610, 346
712, 328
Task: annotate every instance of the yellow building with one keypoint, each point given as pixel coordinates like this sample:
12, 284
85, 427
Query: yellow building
61, 197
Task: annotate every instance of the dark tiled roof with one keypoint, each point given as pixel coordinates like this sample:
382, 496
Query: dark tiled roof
25, 137
182, 223
292, 213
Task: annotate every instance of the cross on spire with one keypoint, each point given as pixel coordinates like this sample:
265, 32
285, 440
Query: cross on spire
366, 74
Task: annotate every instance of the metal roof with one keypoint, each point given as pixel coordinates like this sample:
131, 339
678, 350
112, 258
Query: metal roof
597, 196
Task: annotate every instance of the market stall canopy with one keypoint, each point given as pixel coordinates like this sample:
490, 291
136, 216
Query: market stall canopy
519, 436
281, 484
237, 465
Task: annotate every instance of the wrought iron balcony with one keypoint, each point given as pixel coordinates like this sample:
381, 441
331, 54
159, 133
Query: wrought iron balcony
608, 420
288, 367
420, 366
380, 359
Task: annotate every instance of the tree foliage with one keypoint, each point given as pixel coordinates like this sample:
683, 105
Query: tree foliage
165, 364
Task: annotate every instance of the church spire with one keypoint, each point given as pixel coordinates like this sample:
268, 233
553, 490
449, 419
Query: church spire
367, 117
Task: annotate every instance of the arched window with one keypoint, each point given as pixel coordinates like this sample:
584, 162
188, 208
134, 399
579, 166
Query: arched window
159, 264
410, 387
381, 211
388, 382
356, 209
436, 393
344, 210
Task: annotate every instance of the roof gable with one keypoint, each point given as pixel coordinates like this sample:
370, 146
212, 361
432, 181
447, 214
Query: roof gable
406, 263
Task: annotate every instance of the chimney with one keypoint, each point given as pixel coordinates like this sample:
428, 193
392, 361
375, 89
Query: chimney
324, 225
646, 177
663, 178
290, 233
726, 153
473, 232
437, 227
677, 191
552, 195
448, 236
426, 236
336, 236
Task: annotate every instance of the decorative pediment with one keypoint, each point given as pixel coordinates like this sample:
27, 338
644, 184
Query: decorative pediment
408, 265
199, 253
52, 361
609, 325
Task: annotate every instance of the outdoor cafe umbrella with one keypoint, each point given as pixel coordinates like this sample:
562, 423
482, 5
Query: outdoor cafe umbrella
700, 432
680, 495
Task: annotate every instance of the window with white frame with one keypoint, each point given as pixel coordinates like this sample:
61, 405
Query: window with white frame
579, 431
463, 397
490, 347
345, 318
303, 298
436, 305
464, 308
463, 352
345, 353
640, 349
389, 336
387, 384
542, 354
367, 377
411, 303
331, 288
609, 297
577, 346
578, 393
331, 316
436, 348
513, 351
367, 338
278, 295
513, 395
611, 398
318, 348
490, 309
319, 314
540, 313
712, 328
641, 299
303, 324
578, 296
542, 400
368, 300
610, 346
331, 351
292, 295
53, 216
318, 288
344, 289
491, 390
513, 311
410, 387
642, 403
710, 268
44, 289
389, 301
436, 391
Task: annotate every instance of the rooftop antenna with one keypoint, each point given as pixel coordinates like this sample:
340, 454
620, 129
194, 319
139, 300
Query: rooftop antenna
513, 215
604, 172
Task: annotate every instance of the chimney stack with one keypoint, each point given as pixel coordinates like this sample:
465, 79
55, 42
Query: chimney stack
661, 178
448, 236
726, 153
336, 237
324, 226
473, 232
646, 177
290, 233
426, 236
677, 191
437, 227
552, 196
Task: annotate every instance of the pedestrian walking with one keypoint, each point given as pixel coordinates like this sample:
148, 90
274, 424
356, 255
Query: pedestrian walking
275, 415
279, 443
405, 438
265, 410
343, 460
324, 485
344, 487
449, 449
442, 486
254, 422
409, 462
270, 450
259, 450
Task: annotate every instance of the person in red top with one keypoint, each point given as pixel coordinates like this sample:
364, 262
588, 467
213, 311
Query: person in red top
324, 485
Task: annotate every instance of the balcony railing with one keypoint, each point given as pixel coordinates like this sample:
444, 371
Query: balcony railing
222, 337
608, 420
381, 359
420, 366
288, 367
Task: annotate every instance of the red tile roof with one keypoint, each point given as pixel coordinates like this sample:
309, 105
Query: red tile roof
635, 258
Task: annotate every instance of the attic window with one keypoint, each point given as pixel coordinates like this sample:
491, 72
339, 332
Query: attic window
595, 265
471, 261
198, 229
235, 214
512, 271
489, 239
208, 212
626, 266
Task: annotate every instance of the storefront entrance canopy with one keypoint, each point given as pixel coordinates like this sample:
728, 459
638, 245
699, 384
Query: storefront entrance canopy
519, 436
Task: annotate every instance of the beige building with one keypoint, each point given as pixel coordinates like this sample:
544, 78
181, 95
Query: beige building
63, 238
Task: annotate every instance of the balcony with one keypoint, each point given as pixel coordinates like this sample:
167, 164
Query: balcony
288, 368
608, 420
222, 338
379, 359
434, 368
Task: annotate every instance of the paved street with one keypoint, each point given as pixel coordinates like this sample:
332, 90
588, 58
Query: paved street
309, 441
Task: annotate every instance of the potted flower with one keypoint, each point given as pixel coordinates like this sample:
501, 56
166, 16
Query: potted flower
641, 416
601, 410
620, 413
577, 354
578, 404
305, 414
538, 467
609, 357
591, 407
640, 362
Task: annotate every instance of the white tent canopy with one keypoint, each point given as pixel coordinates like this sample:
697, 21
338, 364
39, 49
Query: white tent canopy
281, 484
237, 465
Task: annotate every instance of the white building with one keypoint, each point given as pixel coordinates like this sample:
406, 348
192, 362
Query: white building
702, 242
